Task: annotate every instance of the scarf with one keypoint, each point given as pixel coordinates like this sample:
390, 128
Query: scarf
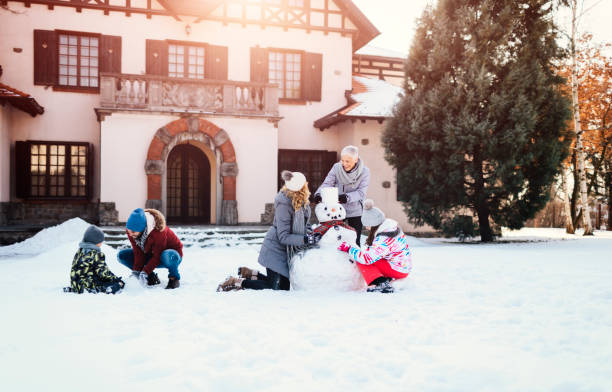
298, 227
322, 229
142, 239
351, 177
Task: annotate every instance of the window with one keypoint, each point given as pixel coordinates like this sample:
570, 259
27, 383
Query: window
185, 61
53, 169
285, 69
78, 60
314, 164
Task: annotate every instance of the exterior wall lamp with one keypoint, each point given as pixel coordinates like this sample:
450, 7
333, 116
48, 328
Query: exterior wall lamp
187, 29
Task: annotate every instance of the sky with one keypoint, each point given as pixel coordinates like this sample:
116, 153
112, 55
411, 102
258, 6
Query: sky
395, 19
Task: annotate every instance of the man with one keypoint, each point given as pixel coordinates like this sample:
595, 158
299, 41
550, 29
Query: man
154, 245
352, 179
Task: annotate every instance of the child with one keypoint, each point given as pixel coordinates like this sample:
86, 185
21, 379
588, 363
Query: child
385, 256
89, 270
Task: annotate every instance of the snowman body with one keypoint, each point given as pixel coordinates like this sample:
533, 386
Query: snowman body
324, 267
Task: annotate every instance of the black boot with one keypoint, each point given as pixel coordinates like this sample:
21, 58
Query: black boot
383, 287
173, 283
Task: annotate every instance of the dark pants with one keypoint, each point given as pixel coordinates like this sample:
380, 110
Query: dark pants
273, 280
355, 223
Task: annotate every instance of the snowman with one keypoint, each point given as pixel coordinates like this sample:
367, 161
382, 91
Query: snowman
324, 266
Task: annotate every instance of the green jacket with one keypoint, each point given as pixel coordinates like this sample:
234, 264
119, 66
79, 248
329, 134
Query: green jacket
89, 271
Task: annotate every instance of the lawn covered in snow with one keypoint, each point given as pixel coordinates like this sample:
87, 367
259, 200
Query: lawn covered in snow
533, 314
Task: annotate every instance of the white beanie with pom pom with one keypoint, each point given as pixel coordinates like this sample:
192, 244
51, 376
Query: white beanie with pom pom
294, 181
372, 216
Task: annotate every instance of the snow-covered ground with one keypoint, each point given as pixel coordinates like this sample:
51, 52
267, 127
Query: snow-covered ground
519, 316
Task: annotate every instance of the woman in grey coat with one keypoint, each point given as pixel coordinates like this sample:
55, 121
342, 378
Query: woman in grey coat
287, 236
352, 178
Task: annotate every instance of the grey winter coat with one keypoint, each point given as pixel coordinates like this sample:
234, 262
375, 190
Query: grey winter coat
273, 252
355, 193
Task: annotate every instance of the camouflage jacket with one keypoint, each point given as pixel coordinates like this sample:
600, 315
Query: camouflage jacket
89, 272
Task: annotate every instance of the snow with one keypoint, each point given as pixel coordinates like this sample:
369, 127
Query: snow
528, 315
379, 99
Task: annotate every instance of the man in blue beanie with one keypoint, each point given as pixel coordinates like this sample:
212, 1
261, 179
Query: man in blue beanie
154, 245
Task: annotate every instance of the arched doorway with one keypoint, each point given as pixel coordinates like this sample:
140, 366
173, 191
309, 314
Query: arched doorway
188, 185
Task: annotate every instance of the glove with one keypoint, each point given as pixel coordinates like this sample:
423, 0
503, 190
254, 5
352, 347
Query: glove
152, 279
317, 198
135, 274
343, 198
344, 247
142, 278
312, 238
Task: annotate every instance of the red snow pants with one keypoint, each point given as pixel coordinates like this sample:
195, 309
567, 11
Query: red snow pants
381, 268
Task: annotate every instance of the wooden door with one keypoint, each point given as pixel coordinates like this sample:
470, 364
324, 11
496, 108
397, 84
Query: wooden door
188, 185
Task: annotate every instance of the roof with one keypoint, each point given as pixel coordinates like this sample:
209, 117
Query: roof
369, 99
20, 100
202, 8
370, 50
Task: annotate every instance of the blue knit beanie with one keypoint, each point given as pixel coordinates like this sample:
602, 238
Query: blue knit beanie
137, 220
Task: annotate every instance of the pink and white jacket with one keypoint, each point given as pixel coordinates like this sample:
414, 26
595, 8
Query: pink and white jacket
394, 249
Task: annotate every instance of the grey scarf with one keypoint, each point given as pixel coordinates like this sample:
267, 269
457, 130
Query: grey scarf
298, 227
89, 245
346, 178
142, 239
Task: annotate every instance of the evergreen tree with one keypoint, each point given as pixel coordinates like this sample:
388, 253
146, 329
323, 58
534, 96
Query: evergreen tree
481, 126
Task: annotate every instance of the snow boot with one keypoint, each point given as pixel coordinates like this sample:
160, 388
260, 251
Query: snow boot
231, 283
384, 287
173, 283
247, 273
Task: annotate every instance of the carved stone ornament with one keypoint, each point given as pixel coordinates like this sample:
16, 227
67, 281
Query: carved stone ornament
192, 96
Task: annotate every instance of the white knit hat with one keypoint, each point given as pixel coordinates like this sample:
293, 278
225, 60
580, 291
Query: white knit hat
294, 181
372, 216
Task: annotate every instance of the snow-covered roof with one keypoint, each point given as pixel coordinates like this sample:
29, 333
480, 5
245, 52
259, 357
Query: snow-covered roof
370, 50
369, 99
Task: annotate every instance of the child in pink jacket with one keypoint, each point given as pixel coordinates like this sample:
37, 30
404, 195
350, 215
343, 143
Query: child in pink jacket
385, 256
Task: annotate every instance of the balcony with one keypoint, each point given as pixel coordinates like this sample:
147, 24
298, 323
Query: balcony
148, 93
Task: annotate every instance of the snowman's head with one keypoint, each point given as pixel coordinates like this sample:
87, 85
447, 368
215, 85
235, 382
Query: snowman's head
327, 212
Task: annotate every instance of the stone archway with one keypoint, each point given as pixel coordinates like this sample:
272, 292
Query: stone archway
198, 129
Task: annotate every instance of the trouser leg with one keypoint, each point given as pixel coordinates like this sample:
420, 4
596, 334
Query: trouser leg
170, 259
126, 257
272, 280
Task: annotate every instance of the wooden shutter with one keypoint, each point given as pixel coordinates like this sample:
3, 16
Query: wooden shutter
110, 54
90, 171
312, 76
216, 62
259, 65
45, 57
157, 57
22, 169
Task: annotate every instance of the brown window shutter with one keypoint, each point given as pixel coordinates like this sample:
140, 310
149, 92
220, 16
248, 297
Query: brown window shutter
312, 76
110, 54
22, 166
216, 62
259, 65
90, 170
157, 57
45, 57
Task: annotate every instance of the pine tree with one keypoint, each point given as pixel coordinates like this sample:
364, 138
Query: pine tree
482, 125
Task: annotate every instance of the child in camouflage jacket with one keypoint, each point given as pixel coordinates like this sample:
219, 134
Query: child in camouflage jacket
89, 270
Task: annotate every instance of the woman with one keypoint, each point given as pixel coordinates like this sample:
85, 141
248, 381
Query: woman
385, 256
287, 236
352, 178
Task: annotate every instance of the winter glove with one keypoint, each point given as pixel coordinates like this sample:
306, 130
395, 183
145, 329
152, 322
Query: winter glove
344, 247
135, 274
317, 198
152, 279
115, 287
142, 278
312, 238
343, 198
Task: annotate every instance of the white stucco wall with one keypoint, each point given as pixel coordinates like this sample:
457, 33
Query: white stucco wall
125, 143
5, 154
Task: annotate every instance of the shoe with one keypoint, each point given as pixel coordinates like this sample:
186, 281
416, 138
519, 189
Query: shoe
247, 273
231, 283
173, 283
384, 287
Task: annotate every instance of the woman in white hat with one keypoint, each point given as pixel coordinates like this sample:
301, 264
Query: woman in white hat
287, 236
385, 256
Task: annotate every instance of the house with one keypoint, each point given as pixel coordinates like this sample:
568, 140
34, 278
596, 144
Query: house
189, 107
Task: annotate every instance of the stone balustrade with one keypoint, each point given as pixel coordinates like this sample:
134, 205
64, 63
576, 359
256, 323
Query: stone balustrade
157, 93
